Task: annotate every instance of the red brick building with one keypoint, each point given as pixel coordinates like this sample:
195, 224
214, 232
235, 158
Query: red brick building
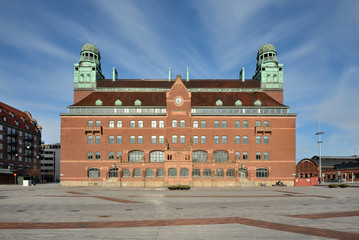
333, 167
159, 132
20, 144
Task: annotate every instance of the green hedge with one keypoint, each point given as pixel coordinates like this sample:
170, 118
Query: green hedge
179, 187
333, 185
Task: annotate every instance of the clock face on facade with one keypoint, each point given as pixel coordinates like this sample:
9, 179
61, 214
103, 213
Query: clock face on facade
178, 101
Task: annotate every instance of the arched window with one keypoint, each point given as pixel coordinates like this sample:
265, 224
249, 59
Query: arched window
196, 173
137, 172
126, 173
93, 173
275, 78
262, 173
243, 172
207, 172
160, 173
118, 102
257, 103
113, 172
138, 102
238, 103
157, 156
219, 103
268, 78
172, 172
230, 173
149, 173
88, 78
199, 156
82, 78
220, 156
184, 172
135, 156
219, 172
98, 102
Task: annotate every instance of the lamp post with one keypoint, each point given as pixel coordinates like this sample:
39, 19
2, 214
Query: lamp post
320, 153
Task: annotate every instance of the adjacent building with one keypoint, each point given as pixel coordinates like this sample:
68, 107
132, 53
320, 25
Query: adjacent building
50, 162
20, 142
160, 132
333, 167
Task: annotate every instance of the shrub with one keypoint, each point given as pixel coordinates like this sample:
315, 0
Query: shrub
333, 185
179, 187
343, 185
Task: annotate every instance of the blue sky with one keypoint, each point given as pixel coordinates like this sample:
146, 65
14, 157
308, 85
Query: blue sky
316, 41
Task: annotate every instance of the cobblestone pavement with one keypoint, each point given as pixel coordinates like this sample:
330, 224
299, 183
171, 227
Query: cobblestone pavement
50, 211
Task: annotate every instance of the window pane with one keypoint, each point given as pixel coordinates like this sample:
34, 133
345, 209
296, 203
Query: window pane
182, 139
203, 139
153, 124
174, 139
245, 140
258, 156
119, 139
245, 155
207, 173
132, 139
230, 173
160, 173
111, 124
195, 124
98, 139
111, 139
216, 124
98, 123
196, 173
119, 124
140, 124
153, 139
237, 155
89, 139
266, 140
161, 139
89, 155
184, 172
224, 124
136, 156
265, 123
182, 123
199, 156
195, 139
224, 139
132, 124
149, 173
90, 123
172, 172
258, 139
216, 139
219, 172
111, 155
245, 124
174, 123
140, 139
237, 140
258, 123
262, 173
237, 124
137, 172
266, 156
157, 156
126, 173
98, 155
161, 124
220, 156
203, 124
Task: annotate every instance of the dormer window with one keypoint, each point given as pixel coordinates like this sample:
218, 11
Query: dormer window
118, 102
257, 103
17, 123
12, 114
219, 103
98, 102
138, 103
238, 103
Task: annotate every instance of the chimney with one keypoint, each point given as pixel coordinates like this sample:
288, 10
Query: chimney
241, 74
187, 72
169, 74
114, 74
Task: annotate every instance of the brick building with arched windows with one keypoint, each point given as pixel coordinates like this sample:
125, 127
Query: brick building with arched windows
159, 132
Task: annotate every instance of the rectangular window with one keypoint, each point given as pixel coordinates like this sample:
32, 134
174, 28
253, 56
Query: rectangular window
237, 139
153, 124
118, 155
266, 140
153, 139
98, 123
245, 124
258, 123
161, 139
1, 128
132, 124
216, 139
195, 139
119, 124
258, 139
245, 140
111, 155
195, 124
224, 139
119, 139
111, 139
203, 139
111, 124
216, 124
98, 155
132, 139
161, 124
203, 124
258, 156
89, 139
182, 139
98, 139
224, 124
245, 156
140, 124
140, 139
174, 123
182, 123
266, 156
90, 123
174, 139
237, 155
265, 124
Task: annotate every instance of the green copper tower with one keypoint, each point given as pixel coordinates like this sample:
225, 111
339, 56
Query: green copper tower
88, 70
268, 70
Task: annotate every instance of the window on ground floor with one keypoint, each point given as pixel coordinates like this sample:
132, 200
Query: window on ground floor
219, 172
207, 172
126, 173
93, 173
137, 172
196, 173
113, 172
160, 173
262, 173
149, 173
172, 172
184, 172
230, 173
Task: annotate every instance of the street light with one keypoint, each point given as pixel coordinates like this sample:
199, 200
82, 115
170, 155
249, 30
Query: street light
320, 153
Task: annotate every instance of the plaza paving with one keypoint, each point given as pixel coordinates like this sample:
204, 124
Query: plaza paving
50, 211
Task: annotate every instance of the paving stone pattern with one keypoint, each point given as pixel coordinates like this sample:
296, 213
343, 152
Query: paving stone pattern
50, 211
